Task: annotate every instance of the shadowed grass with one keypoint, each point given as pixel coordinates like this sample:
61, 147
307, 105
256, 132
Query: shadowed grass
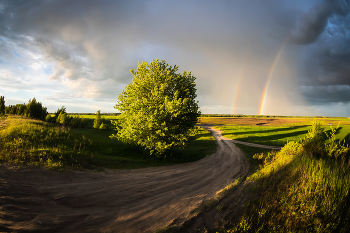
275, 136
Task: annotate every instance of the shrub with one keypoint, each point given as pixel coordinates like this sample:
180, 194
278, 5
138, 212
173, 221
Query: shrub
48, 118
313, 144
98, 120
103, 126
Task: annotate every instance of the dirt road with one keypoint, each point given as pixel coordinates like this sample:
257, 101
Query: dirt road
143, 200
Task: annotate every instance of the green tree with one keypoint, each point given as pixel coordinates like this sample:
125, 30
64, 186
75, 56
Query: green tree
63, 118
158, 109
36, 110
59, 111
21, 109
2, 105
98, 120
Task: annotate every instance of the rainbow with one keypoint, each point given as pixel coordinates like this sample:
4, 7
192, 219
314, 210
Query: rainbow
263, 98
236, 91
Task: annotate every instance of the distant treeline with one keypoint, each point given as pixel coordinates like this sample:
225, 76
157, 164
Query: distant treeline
34, 109
262, 116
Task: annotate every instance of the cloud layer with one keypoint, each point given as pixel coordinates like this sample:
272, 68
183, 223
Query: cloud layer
83, 50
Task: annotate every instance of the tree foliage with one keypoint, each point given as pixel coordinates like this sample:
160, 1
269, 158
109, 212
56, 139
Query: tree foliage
2, 105
33, 109
61, 117
158, 109
36, 110
98, 120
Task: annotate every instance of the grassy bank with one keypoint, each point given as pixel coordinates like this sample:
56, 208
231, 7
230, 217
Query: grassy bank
305, 187
33, 142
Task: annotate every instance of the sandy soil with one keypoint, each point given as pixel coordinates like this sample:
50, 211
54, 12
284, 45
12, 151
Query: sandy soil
143, 200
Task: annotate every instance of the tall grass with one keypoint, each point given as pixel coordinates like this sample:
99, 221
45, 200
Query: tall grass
299, 189
33, 142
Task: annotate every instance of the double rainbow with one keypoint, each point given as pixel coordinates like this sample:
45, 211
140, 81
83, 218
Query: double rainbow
263, 98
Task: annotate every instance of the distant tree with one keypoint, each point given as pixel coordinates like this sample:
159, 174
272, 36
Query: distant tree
98, 120
63, 118
13, 110
158, 109
2, 105
59, 111
36, 110
7, 109
21, 109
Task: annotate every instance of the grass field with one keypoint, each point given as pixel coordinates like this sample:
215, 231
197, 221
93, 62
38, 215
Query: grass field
277, 136
33, 142
267, 121
274, 131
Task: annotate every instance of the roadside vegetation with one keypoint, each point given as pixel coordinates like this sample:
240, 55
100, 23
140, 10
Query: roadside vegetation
35, 142
304, 187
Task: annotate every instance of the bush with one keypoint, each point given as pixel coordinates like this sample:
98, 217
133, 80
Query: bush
98, 120
313, 144
103, 126
48, 118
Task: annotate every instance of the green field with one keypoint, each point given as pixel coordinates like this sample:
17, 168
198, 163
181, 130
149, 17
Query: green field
271, 121
277, 136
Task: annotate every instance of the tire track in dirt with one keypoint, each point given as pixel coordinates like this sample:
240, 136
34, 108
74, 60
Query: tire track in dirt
142, 200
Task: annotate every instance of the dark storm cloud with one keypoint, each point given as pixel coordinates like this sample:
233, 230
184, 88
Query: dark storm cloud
313, 23
324, 35
327, 94
101, 40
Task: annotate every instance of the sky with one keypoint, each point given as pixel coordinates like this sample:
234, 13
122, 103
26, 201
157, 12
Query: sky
271, 57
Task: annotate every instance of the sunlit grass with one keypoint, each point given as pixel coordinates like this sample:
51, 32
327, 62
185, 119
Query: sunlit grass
295, 191
33, 142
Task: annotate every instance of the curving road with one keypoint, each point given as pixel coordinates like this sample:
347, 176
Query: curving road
143, 200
